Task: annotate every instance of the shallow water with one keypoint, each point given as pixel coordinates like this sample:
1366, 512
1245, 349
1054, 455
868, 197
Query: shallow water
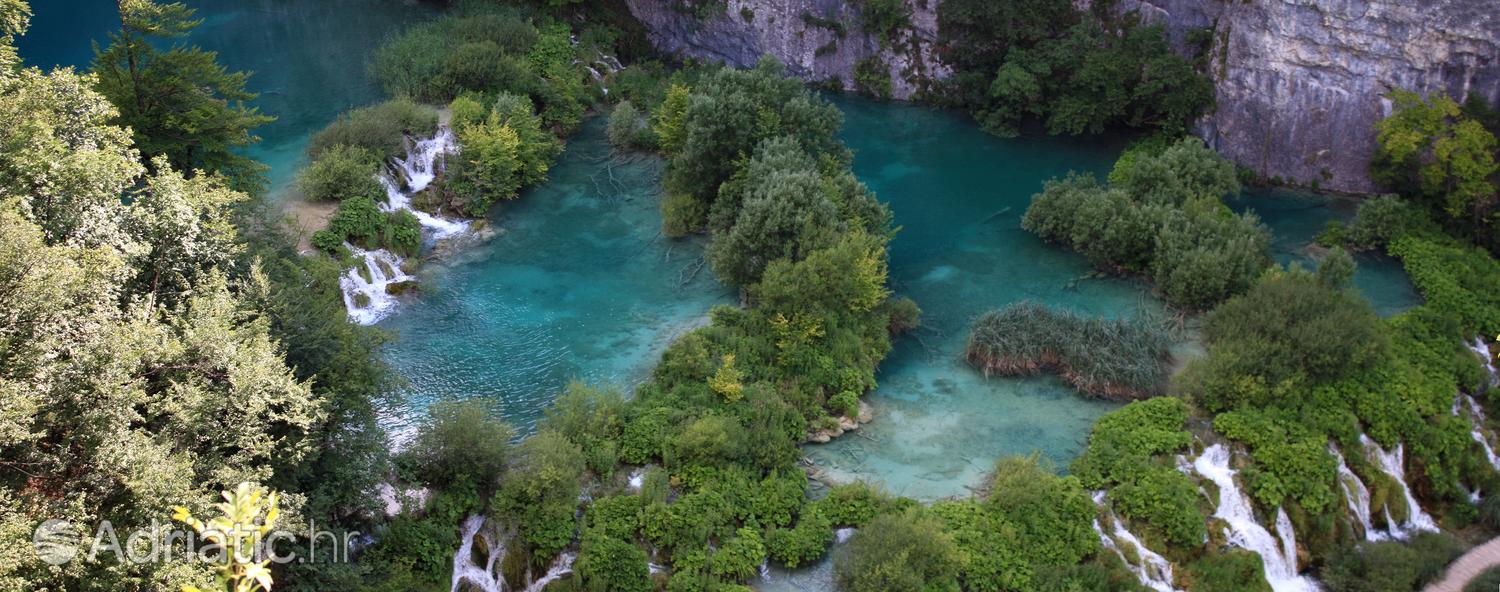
579, 284
958, 195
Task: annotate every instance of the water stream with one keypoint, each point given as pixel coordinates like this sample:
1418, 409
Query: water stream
1356, 496
1153, 570
1393, 463
1278, 552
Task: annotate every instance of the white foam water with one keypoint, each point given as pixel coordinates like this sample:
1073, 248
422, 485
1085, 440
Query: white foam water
1356, 496
1481, 349
842, 535
368, 301
1279, 557
560, 567
1465, 403
1393, 463
1153, 570
467, 575
366, 287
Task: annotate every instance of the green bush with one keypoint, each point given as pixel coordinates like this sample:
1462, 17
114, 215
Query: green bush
1487, 581
401, 233
1390, 566
1163, 216
1289, 329
1380, 220
1052, 514
358, 219
506, 152
1234, 570
461, 443
627, 129
609, 564
802, 544
380, 129
339, 172
739, 558
905, 552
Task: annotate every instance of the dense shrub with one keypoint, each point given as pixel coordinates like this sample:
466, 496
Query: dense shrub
381, 129
501, 154
341, 171
1288, 330
1380, 220
1076, 72
1458, 281
802, 544
608, 564
1130, 452
489, 50
1164, 218
1234, 570
1110, 358
1390, 566
904, 552
1052, 514
460, 444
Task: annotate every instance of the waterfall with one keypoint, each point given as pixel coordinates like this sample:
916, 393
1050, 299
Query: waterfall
464, 570
842, 535
366, 286
1476, 416
1480, 348
368, 300
1154, 571
1393, 464
637, 479
1356, 495
765, 571
1278, 557
560, 567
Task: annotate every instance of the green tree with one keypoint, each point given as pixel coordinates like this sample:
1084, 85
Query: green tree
461, 444
899, 552
179, 102
1433, 150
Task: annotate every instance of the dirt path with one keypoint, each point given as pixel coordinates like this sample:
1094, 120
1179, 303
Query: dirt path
1467, 567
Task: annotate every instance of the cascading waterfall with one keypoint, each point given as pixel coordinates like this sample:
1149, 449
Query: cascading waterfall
842, 535
560, 567
1153, 571
1393, 463
370, 301
1356, 495
1480, 348
366, 288
1278, 557
1476, 415
465, 572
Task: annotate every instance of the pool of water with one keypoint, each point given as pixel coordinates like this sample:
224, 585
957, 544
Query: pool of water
580, 284
309, 58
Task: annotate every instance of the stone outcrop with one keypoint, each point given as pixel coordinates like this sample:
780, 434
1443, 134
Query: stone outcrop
1300, 83
819, 40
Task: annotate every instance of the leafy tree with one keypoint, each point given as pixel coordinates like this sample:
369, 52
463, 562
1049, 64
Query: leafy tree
1053, 515
1432, 150
248, 514
901, 552
339, 172
180, 103
380, 129
607, 564
461, 445
669, 120
501, 155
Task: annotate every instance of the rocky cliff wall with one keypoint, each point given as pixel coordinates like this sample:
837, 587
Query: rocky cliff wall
819, 40
1299, 82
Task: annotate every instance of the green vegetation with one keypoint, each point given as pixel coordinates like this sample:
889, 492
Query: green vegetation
1077, 72
339, 172
1441, 155
1390, 566
884, 19
179, 103
1117, 359
1161, 215
503, 152
156, 351
380, 129
899, 552
487, 49
1130, 453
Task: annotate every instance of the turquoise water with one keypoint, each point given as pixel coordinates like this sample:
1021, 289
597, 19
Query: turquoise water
309, 58
579, 285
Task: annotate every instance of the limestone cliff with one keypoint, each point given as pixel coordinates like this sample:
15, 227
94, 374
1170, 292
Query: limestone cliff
819, 40
1299, 82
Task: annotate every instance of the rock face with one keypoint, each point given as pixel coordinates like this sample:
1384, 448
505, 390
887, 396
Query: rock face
1300, 83
805, 34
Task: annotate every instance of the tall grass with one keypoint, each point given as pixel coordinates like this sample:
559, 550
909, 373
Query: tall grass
1116, 359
